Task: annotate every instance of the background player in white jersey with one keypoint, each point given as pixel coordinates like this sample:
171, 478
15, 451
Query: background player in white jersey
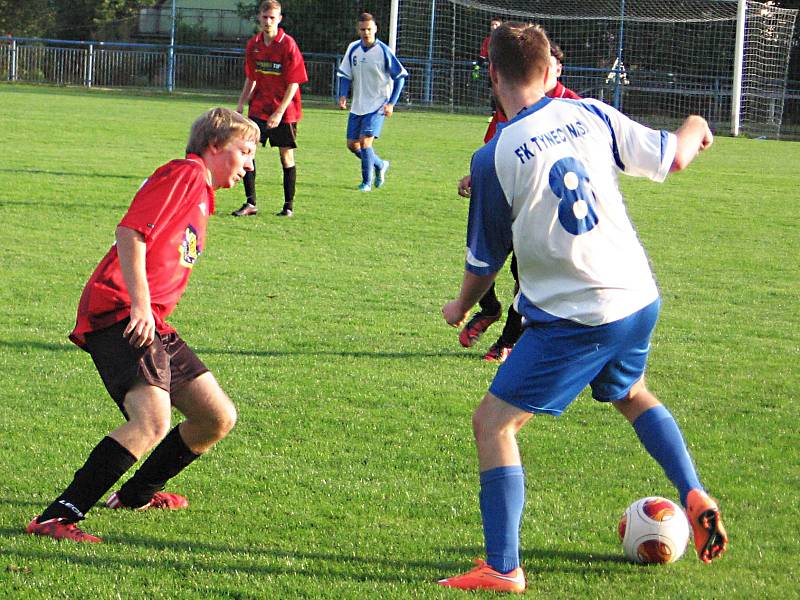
377, 78
547, 182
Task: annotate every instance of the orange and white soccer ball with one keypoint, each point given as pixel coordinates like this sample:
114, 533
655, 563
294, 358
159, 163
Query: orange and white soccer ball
654, 530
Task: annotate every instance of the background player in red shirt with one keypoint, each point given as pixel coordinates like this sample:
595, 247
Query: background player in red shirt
274, 69
482, 65
490, 308
145, 365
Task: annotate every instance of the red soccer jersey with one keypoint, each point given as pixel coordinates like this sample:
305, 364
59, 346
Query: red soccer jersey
273, 67
560, 91
171, 210
484, 53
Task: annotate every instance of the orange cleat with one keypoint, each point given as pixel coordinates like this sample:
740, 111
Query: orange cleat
159, 500
710, 537
484, 577
60, 529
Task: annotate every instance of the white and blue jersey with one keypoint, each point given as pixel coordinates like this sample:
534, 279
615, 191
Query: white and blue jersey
547, 183
376, 75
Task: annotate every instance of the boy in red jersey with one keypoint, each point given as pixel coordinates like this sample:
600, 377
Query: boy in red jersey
145, 365
274, 69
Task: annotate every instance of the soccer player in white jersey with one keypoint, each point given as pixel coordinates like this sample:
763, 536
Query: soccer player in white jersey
377, 78
547, 182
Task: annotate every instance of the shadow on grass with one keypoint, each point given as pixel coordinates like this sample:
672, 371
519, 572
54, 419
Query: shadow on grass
76, 173
25, 345
341, 566
455, 353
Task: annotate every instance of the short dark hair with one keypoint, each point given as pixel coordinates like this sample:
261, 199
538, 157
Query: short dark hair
519, 51
556, 52
365, 16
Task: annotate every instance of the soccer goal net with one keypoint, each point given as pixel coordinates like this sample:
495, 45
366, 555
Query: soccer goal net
657, 61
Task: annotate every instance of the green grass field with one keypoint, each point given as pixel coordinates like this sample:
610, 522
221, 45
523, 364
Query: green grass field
352, 471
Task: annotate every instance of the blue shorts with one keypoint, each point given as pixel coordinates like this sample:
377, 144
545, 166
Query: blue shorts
368, 125
553, 362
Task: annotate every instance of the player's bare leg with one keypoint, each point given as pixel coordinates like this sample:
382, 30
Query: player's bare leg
210, 415
662, 438
149, 411
495, 424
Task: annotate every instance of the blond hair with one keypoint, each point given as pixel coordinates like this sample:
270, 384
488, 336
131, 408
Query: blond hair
217, 127
269, 5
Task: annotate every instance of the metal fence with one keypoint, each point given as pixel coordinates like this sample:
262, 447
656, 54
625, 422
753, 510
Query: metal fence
117, 65
102, 64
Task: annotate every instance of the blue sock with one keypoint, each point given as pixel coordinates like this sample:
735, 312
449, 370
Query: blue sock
502, 499
376, 160
661, 437
358, 154
367, 164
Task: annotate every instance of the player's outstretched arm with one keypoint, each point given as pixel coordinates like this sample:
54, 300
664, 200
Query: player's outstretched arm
694, 136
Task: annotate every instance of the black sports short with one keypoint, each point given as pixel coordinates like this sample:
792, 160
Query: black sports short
282, 136
167, 363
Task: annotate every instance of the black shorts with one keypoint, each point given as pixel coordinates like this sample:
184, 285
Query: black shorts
282, 136
167, 363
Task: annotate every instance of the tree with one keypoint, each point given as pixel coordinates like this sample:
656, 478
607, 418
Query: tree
25, 19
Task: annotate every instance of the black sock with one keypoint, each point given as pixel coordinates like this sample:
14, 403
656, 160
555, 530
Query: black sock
169, 458
489, 304
250, 185
512, 329
106, 464
289, 183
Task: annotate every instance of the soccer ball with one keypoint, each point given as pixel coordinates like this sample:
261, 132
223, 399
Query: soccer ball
654, 530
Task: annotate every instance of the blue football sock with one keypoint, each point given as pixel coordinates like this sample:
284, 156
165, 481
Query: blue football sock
367, 164
502, 499
662, 438
376, 160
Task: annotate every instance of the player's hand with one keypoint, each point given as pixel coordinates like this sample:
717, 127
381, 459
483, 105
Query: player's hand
465, 186
343, 102
454, 313
141, 331
708, 139
274, 120
388, 109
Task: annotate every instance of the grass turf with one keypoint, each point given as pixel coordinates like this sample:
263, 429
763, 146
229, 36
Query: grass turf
352, 472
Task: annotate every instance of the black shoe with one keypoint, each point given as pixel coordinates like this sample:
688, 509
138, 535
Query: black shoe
285, 213
246, 210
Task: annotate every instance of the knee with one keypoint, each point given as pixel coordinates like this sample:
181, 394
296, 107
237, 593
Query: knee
354, 147
223, 420
153, 430
482, 427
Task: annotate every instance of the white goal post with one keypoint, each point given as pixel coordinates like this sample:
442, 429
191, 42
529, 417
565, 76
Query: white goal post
657, 61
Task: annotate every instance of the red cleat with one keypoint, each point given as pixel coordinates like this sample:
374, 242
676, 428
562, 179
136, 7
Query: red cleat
475, 328
484, 577
497, 353
60, 529
159, 500
710, 537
